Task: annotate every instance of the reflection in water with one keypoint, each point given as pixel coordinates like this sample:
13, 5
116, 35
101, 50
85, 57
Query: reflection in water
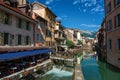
94, 70
57, 74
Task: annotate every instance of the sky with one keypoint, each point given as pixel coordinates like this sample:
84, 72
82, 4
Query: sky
79, 14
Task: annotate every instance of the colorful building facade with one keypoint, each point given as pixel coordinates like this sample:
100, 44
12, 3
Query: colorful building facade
48, 15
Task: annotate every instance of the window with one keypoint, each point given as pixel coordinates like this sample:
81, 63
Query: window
27, 40
19, 39
1, 38
118, 20
19, 23
22, 2
119, 44
109, 24
24, 24
27, 26
6, 38
38, 37
48, 33
110, 44
117, 2
36, 7
109, 8
5, 18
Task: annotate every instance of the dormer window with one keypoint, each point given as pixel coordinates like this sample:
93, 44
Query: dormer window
22, 2
36, 7
6, 2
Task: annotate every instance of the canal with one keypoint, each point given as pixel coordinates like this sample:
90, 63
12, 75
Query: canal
57, 74
97, 70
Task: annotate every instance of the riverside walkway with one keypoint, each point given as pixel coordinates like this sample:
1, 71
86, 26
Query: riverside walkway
78, 75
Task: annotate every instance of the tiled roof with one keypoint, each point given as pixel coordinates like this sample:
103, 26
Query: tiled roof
17, 10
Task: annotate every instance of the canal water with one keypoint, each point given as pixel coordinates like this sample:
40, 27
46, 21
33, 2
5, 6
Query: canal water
97, 70
57, 74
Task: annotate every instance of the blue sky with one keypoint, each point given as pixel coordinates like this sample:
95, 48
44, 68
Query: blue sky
80, 14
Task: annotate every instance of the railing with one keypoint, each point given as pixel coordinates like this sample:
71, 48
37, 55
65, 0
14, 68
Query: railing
26, 71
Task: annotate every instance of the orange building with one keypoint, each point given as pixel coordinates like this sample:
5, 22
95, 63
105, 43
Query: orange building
48, 15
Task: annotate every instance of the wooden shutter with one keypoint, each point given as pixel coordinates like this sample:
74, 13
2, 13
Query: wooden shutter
29, 42
17, 22
10, 19
16, 39
115, 21
2, 38
1, 17
23, 24
23, 40
10, 39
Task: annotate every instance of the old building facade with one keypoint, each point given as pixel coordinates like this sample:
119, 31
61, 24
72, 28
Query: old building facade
16, 28
60, 36
112, 23
48, 15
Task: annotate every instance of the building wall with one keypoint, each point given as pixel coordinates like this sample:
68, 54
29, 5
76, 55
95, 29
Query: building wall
79, 36
113, 54
44, 12
40, 30
12, 29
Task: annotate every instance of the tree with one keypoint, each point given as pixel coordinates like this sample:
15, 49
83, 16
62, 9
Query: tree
69, 43
79, 42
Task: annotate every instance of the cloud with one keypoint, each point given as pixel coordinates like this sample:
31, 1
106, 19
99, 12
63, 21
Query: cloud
62, 17
84, 10
98, 8
89, 25
48, 1
76, 2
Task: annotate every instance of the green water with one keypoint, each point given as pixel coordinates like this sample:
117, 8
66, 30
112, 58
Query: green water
57, 74
97, 70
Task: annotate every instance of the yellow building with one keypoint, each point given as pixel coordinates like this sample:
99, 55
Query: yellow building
48, 15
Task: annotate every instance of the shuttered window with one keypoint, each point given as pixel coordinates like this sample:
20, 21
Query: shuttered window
1, 38
5, 18
10, 39
24, 24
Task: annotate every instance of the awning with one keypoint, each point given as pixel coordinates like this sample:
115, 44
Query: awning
17, 55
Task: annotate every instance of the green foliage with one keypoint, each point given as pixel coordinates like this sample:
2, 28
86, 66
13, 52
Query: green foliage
79, 53
79, 42
69, 43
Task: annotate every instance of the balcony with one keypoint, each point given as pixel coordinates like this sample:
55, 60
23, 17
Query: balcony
57, 27
60, 37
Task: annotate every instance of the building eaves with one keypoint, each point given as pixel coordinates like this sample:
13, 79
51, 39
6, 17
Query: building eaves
17, 10
44, 7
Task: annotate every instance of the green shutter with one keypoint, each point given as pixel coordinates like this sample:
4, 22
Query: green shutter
23, 40
2, 38
16, 39
10, 19
1, 17
29, 40
10, 38
17, 22
23, 24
